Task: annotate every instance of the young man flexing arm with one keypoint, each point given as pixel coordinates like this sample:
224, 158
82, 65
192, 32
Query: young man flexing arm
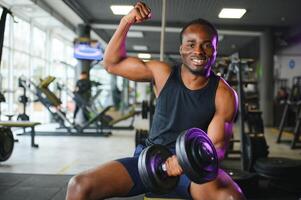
117, 178
118, 63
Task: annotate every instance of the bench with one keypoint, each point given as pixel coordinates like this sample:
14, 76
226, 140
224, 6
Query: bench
23, 124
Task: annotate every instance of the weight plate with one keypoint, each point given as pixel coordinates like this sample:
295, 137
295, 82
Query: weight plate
150, 170
255, 147
197, 155
6, 143
278, 168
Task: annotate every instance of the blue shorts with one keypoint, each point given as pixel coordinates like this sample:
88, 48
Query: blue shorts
131, 164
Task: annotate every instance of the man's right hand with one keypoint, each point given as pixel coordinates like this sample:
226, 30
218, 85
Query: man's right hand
140, 13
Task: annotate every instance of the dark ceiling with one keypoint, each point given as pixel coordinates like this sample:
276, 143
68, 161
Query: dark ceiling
239, 35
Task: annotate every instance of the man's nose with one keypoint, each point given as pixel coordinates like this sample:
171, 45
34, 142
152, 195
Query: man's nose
198, 49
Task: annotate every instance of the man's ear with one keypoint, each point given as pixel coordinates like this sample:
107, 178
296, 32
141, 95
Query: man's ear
180, 49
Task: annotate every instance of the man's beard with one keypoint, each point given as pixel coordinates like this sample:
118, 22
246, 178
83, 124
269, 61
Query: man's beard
198, 72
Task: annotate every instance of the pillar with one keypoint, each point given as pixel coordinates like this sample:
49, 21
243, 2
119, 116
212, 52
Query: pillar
266, 79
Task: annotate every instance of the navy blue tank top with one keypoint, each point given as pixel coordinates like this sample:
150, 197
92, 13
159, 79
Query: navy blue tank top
179, 108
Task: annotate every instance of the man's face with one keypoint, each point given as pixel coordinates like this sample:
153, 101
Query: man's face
83, 76
198, 49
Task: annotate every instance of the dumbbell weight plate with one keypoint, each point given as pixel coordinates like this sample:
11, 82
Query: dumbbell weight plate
197, 156
151, 172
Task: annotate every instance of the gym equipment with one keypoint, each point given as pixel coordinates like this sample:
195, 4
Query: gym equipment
249, 142
23, 99
297, 131
110, 117
23, 124
113, 116
196, 155
279, 168
147, 109
152, 169
140, 136
282, 173
255, 150
52, 103
2, 99
281, 89
255, 147
144, 110
293, 104
6, 143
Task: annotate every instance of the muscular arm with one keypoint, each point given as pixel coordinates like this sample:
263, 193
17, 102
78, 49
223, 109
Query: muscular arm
220, 128
115, 59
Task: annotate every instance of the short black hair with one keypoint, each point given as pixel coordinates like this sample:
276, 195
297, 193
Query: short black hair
199, 21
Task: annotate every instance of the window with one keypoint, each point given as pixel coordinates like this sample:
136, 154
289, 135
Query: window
5, 68
21, 35
38, 68
20, 67
39, 43
57, 50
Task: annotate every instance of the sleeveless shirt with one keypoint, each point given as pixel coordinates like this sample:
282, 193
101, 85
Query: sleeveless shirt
179, 108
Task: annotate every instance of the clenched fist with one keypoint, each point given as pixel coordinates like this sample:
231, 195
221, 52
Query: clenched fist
172, 166
139, 13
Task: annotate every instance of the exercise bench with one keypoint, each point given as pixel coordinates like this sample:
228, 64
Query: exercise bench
23, 124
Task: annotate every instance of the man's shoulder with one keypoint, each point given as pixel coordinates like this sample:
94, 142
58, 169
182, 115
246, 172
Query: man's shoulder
160, 68
224, 90
157, 64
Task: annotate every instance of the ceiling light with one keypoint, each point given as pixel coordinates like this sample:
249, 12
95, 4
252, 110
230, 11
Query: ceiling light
140, 47
28, 9
135, 34
121, 9
234, 13
144, 55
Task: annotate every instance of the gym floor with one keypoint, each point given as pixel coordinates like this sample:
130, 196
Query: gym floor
68, 155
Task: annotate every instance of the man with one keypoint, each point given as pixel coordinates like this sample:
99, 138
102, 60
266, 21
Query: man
188, 96
82, 94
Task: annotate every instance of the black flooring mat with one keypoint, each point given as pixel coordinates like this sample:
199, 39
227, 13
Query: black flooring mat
36, 187
32, 187
53, 187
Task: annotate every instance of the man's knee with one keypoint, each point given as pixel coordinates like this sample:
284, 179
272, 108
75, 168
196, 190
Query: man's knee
78, 188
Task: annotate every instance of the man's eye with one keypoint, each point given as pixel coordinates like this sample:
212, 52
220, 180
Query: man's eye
207, 46
191, 45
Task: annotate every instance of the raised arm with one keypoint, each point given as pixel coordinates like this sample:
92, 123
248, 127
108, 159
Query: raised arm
220, 128
115, 59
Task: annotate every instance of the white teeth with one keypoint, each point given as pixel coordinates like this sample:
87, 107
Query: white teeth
198, 61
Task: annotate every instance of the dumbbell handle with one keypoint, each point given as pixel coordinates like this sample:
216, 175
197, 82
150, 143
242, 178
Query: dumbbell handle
163, 167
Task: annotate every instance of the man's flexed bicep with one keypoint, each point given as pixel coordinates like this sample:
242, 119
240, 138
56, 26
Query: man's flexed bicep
221, 127
134, 69
115, 59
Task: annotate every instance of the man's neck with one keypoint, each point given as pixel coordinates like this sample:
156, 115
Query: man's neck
193, 81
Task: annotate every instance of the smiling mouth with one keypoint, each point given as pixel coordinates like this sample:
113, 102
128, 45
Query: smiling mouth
199, 61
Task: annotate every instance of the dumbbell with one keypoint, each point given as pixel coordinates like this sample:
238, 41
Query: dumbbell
195, 153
